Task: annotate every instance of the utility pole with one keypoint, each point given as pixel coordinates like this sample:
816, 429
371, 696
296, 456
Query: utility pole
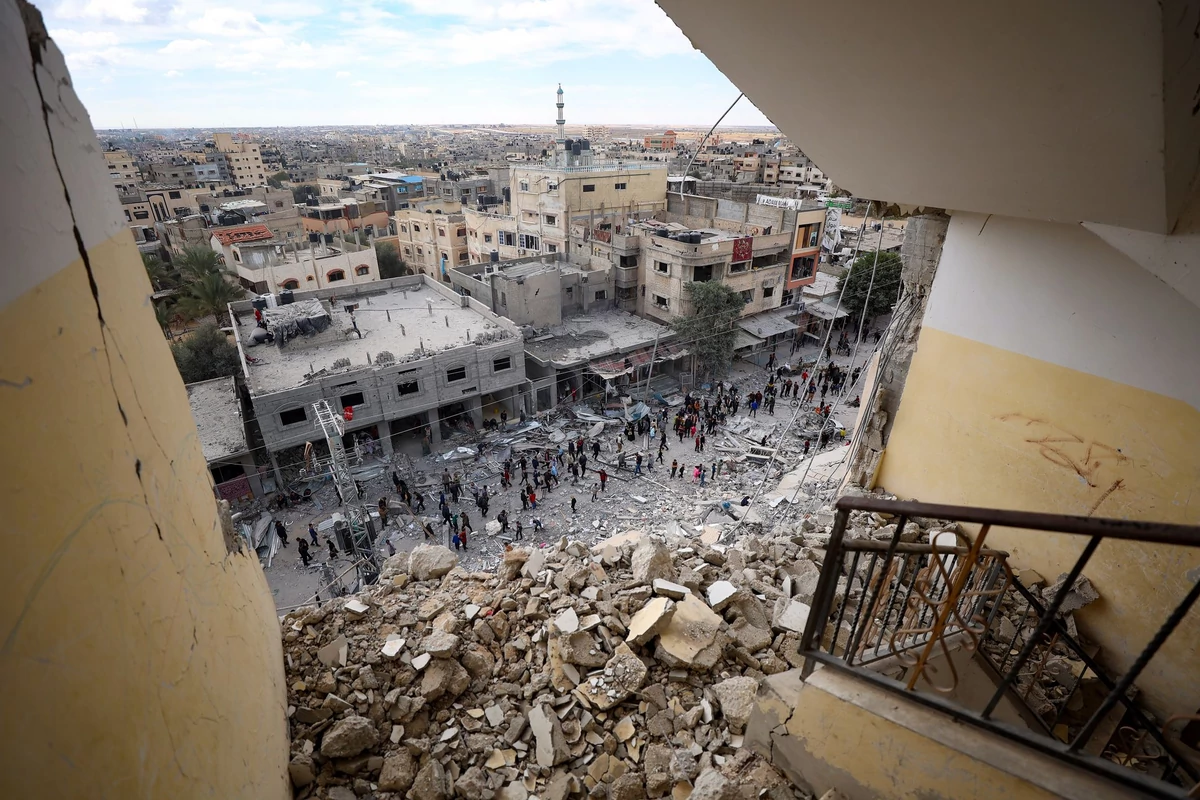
362, 529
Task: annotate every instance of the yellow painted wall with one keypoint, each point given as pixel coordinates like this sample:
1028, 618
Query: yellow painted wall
863, 755
983, 426
139, 656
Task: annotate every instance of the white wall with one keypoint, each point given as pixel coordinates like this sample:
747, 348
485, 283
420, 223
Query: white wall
1058, 293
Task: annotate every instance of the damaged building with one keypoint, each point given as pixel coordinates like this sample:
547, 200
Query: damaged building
407, 356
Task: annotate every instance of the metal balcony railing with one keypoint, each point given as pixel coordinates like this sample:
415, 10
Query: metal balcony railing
894, 612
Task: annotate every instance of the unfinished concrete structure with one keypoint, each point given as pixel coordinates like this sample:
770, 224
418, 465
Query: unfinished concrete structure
216, 408
406, 355
537, 291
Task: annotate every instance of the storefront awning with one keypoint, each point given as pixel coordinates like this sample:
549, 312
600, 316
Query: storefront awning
767, 324
823, 310
745, 340
615, 366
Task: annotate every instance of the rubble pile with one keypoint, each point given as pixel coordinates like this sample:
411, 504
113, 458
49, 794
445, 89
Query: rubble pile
624, 670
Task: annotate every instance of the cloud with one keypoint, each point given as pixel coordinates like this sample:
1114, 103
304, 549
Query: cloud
180, 47
504, 55
120, 10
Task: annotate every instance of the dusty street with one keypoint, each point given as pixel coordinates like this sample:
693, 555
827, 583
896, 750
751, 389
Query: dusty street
651, 500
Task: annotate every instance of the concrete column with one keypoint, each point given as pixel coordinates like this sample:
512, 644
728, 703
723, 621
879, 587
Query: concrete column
435, 427
385, 437
474, 405
252, 474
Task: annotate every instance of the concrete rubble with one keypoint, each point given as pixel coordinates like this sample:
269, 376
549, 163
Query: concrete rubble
569, 671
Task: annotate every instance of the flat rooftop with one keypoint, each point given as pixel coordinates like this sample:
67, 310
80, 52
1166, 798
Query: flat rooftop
409, 323
218, 416
587, 336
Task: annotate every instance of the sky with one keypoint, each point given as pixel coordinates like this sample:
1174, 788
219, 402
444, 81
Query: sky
251, 63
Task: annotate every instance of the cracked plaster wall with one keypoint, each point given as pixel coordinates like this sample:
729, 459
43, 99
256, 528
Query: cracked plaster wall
140, 652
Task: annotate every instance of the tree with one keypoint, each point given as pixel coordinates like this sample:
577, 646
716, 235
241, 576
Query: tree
883, 290
276, 181
209, 295
199, 262
709, 331
205, 355
161, 276
303, 192
391, 265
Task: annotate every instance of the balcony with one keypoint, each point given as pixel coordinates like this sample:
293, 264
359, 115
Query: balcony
914, 618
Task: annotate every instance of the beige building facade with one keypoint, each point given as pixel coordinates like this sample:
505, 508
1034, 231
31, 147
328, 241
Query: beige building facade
547, 199
433, 238
245, 160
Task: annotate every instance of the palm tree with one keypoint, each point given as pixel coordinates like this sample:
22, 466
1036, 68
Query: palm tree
199, 262
209, 295
161, 276
164, 315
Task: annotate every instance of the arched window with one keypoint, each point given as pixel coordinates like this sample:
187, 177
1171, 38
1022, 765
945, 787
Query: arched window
291, 283
362, 270
335, 275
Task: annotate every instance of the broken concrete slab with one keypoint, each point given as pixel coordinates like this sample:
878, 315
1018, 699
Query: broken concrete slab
534, 564
652, 618
392, 647
692, 628
428, 562
790, 615
440, 644
547, 730
567, 621
623, 675
736, 698
335, 653
651, 560
719, 594
669, 589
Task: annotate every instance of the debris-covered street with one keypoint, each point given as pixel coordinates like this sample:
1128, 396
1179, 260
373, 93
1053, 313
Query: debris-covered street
743, 459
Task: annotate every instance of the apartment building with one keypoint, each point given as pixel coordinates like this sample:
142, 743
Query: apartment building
266, 264
491, 236
243, 158
345, 215
408, 355
432, 237
662, 141
547, 198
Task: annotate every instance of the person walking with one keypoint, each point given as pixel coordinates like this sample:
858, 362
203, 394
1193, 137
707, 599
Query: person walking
302, 546
807, 445
312, 534
573, 499
533, 500
462, 535
502, 518
518, 531
637, 464
464, 522
281, 532
703, 472
524, 500
696, 474
595, 491
603, 479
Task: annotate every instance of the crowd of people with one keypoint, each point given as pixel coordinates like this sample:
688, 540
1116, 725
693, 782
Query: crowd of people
644, 443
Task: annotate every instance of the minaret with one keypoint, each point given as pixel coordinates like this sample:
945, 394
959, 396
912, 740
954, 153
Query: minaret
560, 144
